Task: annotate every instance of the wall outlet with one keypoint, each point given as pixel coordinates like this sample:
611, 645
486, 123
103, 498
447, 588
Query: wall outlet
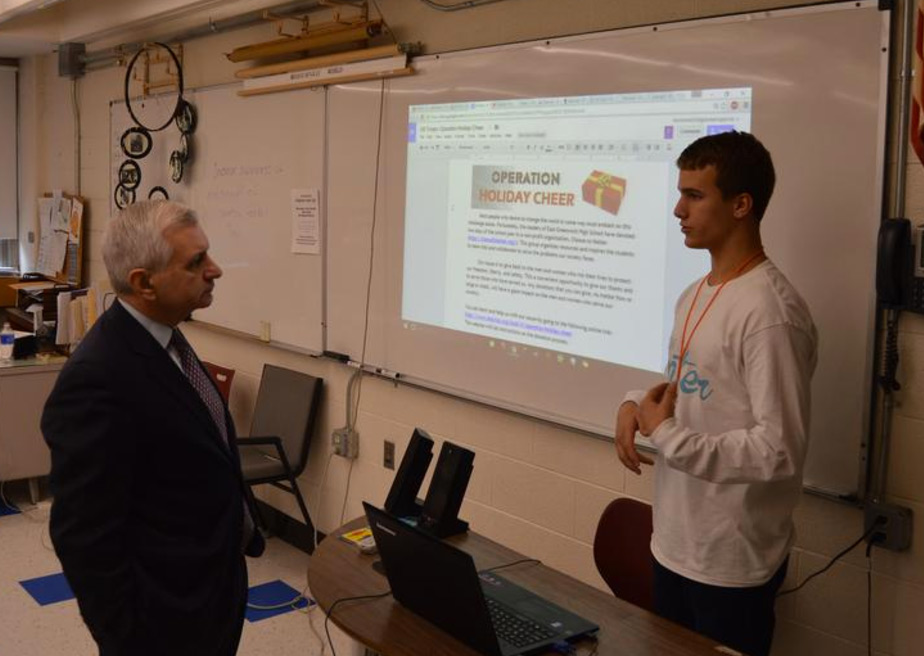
345, 442
892, 525
388, 457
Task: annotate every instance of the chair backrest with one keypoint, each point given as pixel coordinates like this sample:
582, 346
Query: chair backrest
222, 377
287, 406
622, 551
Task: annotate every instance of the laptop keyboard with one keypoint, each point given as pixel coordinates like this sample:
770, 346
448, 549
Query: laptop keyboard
515, 629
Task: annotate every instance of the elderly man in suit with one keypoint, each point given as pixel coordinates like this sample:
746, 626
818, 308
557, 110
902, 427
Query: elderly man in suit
151, 519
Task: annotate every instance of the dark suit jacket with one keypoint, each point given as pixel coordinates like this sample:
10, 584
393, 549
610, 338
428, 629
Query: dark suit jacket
148, 501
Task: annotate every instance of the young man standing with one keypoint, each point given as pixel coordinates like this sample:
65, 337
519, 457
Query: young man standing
731, 424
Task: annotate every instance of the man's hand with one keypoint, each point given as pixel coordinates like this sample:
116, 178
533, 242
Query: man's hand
626, 425
657, 406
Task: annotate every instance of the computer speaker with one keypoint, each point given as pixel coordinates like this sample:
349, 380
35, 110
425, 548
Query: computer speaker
402, 497
440, 514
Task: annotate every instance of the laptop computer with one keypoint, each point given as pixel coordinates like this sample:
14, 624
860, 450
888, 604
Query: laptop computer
484, 610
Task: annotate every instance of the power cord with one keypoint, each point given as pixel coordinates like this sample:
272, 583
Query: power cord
869, 597
356, 380
352, 414
824, 569
308, 612
314, 629
330, 611
593, 652
346, 492
516, 562
286, 604
33, 514
318, 504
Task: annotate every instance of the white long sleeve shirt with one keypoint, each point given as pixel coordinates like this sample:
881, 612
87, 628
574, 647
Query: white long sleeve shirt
728, 472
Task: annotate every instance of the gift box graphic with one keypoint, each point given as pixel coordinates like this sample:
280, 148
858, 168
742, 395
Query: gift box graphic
604, 191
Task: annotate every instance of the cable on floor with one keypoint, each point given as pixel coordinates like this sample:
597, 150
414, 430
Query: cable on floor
330, 611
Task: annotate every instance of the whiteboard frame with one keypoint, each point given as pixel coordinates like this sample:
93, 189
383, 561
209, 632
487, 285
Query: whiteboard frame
877, 186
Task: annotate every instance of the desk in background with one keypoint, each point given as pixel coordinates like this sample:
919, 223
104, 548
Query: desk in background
338, 570
24, 388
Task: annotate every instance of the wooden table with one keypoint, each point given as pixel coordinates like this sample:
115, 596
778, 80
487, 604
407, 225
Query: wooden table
338, 570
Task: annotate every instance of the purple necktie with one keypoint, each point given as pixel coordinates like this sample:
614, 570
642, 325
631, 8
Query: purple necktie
207, 391
200, 381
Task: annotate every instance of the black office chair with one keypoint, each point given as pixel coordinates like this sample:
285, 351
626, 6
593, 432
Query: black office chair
283, 422
622, 551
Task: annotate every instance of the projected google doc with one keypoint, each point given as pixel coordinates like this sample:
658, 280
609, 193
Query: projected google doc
554, 219
532, 258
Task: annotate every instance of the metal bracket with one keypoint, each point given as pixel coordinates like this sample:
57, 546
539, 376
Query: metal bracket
335, 5
280, 22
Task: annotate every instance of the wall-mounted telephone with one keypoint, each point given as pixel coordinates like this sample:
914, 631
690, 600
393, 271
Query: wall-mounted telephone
900, 265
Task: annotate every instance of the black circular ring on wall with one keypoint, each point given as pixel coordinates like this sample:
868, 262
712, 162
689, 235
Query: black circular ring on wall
185, 149
186, 117
158, 193
179, 97
130, 174
176, 166
136, 142
123, 197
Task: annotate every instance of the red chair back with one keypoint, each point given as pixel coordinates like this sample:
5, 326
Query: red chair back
222, 377
622, 551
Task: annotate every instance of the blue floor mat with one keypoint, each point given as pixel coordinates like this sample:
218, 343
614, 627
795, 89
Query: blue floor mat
48, 589
271, 594
54, 588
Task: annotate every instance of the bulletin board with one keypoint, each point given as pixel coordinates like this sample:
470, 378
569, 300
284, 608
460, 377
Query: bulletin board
60, 235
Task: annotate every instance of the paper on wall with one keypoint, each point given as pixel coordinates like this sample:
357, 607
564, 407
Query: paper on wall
54, 218
306, 222
63, 325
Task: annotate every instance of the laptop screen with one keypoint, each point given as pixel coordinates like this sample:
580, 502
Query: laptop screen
440, 583
434, 580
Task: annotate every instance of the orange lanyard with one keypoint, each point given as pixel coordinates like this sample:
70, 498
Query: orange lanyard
684, 342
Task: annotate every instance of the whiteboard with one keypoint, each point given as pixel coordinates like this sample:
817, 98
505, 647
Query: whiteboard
248, 157
819, 81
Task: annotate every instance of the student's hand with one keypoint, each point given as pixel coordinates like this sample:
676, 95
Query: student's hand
626, 425
657, 406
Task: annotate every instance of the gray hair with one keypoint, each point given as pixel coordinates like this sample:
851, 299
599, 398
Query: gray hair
134, 239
